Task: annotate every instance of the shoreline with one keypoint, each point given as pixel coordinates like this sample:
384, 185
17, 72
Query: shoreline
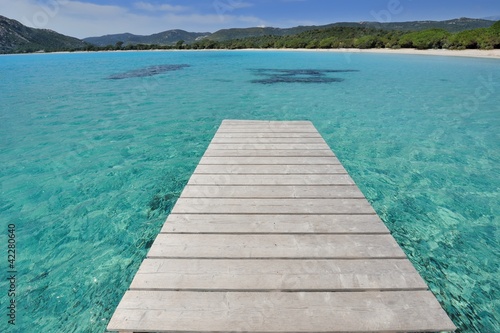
491, 54
485, 54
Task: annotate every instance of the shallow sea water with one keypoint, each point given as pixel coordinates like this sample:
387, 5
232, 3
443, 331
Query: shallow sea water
90, 166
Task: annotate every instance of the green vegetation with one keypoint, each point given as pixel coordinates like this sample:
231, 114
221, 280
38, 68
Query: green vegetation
341, 37
365, 38
16, 38
477, 39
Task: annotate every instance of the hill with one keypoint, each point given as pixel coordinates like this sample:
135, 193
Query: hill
17, 38
453, 26
365, 38
458, 33
240, 33
170, 37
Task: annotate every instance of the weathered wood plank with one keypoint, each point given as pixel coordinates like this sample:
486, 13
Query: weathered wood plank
343, 179
258, 129
271, 206
278, 191
269, 146
265, 153
232, 246
269, 224
274, 126
270, 160
268, 135
170, 311
269, 169
239, 122
253, 140
273, 274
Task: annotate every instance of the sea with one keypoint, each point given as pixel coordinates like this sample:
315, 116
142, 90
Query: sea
95, 148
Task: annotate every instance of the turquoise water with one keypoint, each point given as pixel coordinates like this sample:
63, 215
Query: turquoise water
91, 166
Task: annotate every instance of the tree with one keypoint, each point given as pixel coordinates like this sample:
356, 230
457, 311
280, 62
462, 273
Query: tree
366, 42
179, 44
426, 39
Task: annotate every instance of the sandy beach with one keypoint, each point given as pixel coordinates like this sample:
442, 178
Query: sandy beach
448, 53
492, 54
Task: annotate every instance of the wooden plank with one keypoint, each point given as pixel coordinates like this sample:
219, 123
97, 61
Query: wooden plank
270, 160
271, 206
270, 180
277, 126
239, 122
267, 153
269, 224
269, 169
182, 311
276, 192
259, 129
244, 246
268, 135
252, 140
269, 146
283, 275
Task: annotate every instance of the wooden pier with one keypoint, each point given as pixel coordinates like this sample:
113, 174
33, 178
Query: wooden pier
272, 235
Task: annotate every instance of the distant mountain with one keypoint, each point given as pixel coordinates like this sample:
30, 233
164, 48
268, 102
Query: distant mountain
455, 25
492, 18
170, 37
18, 38
240, 33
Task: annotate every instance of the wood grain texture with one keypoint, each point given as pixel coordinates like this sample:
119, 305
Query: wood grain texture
271, 224
271, 206
227, 246
273, 146
277, 180
170, 311
268, 153
282, 275
264, 140
272, 192
272, 235
329, 160
250, 169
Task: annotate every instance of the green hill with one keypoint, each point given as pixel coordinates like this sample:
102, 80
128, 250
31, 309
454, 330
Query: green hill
170, 37
17, 38
459, 33
456, 25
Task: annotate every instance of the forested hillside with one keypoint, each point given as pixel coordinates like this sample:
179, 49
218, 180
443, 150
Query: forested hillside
364, 38
18, 38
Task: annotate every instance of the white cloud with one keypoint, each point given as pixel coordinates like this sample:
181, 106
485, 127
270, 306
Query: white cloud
156, 8
229, 5
81, 19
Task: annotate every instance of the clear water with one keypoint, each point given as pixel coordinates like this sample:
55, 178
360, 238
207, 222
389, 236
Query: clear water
90, 167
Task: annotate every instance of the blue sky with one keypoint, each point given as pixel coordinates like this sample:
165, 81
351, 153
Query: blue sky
84, 18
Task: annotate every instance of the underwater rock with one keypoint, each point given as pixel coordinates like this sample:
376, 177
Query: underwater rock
147, 71
272, 76
161, 203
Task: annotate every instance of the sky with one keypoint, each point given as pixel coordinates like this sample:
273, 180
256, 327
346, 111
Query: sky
88, 18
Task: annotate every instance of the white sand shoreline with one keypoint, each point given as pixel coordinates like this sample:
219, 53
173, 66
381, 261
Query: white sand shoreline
495, 54
491, 54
